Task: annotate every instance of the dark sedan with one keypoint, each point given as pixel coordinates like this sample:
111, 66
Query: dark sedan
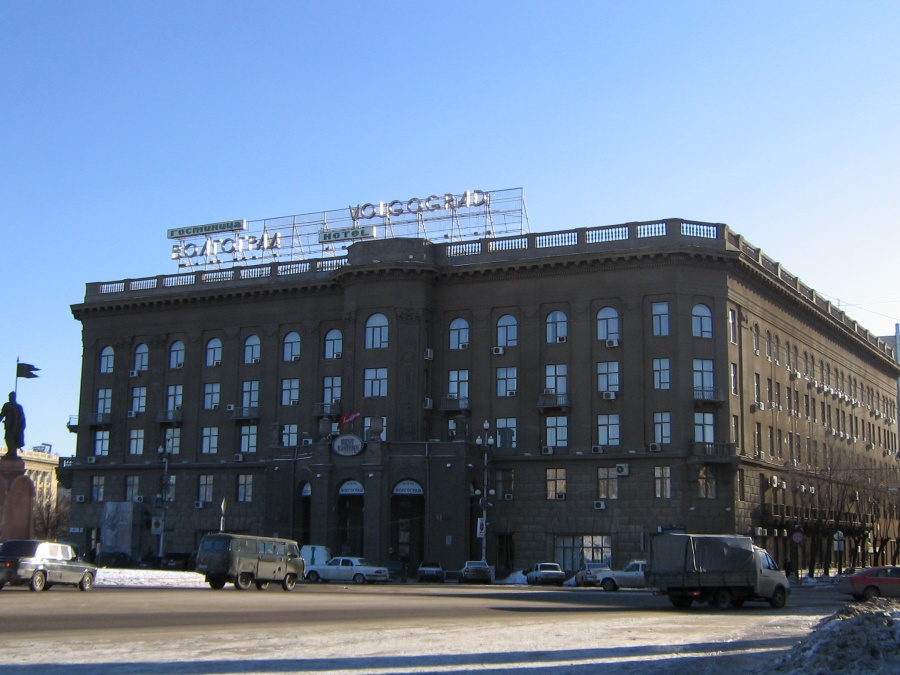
475, 571
42, 564
874, 582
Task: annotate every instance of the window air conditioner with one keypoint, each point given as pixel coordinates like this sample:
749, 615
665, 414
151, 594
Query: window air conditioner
609, 396
306, 441
510, 392
547, 450
92, 460
560, 496
654, 447
214, 406
507, 497
132, 373
612, 344
295, 401
549, 391
429, 354
600, 505
79, 499
254, 359
230, 407
621, 469
295, 357
427, 403
561, 338
180, 364
132, 414
597, 449
198, 505
463, 345
338, 355
239, 457
453, 396
497, 351
138, 499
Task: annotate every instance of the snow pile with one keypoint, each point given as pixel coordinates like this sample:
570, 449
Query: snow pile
109, 576
858, 638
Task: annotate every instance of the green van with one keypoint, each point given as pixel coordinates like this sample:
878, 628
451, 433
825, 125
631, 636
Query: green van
244, 560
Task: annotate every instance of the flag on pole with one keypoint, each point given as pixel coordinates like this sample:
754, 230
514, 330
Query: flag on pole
26, 370
349, 416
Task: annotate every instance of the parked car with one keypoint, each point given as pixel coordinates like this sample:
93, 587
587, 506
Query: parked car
397, 570
874, 582
631, 577
179, 561
475, 571
43, 564
431, 571
545, 574
589, 574
343, 568
117, 559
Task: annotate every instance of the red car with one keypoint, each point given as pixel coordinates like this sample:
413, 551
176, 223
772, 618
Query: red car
874, 582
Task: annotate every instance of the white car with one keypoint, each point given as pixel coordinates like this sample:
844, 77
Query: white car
631, 577
343, 568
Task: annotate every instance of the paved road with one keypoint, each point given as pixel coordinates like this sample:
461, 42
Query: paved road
391, 629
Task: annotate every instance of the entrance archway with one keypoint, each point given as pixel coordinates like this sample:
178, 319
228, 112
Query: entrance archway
350, 525
408, 524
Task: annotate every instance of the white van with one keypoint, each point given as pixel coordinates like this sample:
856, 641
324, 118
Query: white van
313, 554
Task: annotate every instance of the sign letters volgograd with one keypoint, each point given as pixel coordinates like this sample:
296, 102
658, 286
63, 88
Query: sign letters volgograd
416, 205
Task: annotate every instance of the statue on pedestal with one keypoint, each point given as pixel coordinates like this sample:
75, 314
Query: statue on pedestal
13, 417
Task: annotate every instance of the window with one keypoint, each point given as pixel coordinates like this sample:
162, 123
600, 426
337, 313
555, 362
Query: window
248, 438
172, 439
735, 429
704, 427
756, 338
138, 399
757, 439
290, 391
250, 394
214, 352
607, 483
757, 388
608, 376
176, 354
101, 443
205, 487
104, 401
334, 344
251, 349
506, 432
660, 315
734, 379
97, 488
557, 431
141, 358
174, 394
608, 430
506, 381
211, 395
331, 389
375, 382
135, 441
291, 347
504, 480
131, 488
662, 481
377, 332
557, 327
768, 345
662, 427
290, 435
368, 428
701, 322
556, 483
459, 333
556, 377
507, 331
245, 488
458, 383
209, 440
107, 357
607, 324
732, 327
706, 482
703, 379
661, 374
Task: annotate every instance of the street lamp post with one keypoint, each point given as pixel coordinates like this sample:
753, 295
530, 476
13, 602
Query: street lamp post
163, 451
484, 494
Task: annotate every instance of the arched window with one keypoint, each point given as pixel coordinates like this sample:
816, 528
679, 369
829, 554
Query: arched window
507, 331
252, 349
459, 333
787, 355
377, 332
768, 345
334, 344
776, 349
756, 339
701, 322
176, 354
107, 356
607, 324
291, 347
557, 326
141, 357
214, 352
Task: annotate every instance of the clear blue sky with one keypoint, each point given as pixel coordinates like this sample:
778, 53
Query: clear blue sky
122, 119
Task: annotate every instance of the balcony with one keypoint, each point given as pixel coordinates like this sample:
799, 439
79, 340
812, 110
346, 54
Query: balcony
455, 403
98, 419
170, 416
552, 399
72, 424
704, 395
332, 409
245, 414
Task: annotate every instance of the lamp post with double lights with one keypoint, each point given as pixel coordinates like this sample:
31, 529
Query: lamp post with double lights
483, 494
165, 491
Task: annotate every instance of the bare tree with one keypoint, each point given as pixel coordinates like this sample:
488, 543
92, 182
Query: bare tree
51, 518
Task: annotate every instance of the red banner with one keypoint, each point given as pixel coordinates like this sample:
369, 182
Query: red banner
349, 416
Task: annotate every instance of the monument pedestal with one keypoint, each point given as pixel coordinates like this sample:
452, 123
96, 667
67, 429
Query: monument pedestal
16, 500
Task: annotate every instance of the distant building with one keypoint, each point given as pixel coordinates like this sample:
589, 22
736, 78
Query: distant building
40, 467
602, 384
